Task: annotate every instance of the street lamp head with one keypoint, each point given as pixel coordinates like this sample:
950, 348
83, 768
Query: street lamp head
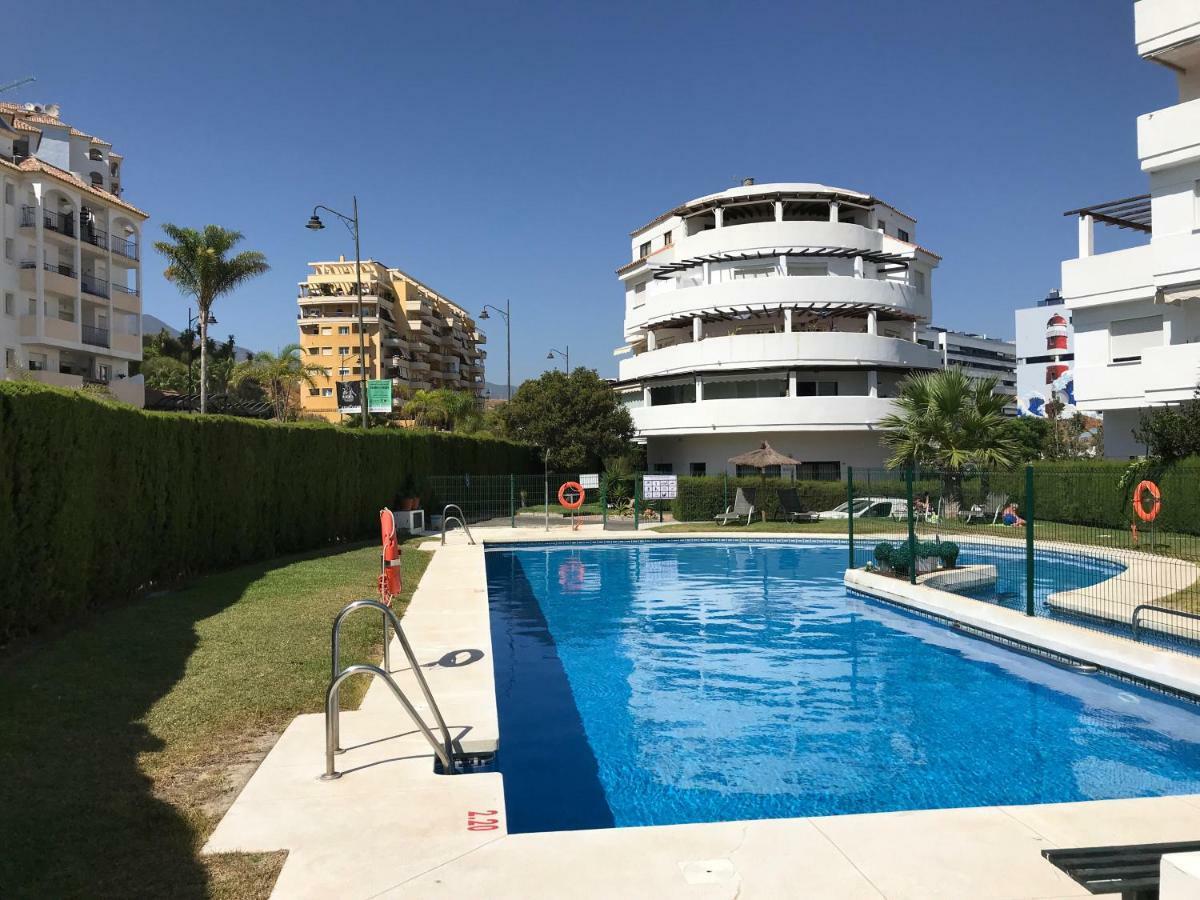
212, 320
315, 223
550, 355
484, 314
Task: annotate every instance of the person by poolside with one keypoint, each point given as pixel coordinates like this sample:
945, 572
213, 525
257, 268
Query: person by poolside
1010, 517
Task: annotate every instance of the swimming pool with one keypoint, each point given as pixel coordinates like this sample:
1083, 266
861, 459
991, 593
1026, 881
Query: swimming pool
660, 682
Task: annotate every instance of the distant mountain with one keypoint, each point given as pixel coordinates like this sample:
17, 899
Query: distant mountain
495, 391
152, 325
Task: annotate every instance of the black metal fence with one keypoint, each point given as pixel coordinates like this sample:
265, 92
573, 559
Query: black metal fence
1068, 543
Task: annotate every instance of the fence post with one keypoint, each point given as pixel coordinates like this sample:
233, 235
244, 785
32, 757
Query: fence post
512, 500
604, 502
546, 490
637, 499
725, 490
850, 508
912, 529
1029, 610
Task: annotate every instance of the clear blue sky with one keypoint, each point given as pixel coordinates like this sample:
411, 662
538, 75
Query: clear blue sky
506, 150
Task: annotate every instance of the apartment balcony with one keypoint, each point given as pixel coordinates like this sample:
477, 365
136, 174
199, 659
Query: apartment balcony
1164, 28
754, 351
838, 413
58, 223
97, 287
1171, 373
479, 337
1169, 137
95, 337
96, 238
124, 248
1109, 277
58, 279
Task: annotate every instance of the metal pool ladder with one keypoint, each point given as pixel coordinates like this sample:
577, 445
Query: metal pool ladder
461, 519
443, 749
1137, 610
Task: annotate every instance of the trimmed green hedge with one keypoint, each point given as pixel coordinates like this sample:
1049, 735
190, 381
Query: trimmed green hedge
100, 501
702, 498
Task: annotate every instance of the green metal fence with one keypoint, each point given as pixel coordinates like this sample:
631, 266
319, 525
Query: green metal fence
1065, 543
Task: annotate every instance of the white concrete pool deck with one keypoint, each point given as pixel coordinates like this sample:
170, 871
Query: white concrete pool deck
390, 827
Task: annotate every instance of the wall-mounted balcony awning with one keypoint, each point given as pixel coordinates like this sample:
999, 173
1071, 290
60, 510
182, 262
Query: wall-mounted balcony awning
820, 309
666, 270
1132, 212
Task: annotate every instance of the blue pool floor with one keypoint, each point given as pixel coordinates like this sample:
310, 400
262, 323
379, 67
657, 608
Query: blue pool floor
655, 683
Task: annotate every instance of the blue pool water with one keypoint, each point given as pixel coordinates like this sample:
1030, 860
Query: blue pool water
663, 682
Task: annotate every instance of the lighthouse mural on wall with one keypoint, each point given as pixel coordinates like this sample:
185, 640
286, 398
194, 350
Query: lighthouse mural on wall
1044, 357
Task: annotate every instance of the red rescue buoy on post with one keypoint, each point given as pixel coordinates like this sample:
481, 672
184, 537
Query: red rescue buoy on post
390, 583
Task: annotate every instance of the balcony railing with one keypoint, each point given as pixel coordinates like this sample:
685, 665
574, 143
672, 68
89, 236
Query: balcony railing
97, 337
124, 289
97, 237
122, 247
49, 267
97, 287
63, 223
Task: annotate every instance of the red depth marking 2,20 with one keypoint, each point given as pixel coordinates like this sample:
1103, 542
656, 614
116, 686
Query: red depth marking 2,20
482, 820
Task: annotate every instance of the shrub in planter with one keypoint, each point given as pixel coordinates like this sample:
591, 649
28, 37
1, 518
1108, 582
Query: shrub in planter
883, 554
948, 554
901, 559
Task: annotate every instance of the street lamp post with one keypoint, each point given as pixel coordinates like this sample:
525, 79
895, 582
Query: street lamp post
193, 325
507, 314
565, 354
351, 223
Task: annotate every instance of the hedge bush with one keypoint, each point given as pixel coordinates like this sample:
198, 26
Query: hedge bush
100, 501
702, 498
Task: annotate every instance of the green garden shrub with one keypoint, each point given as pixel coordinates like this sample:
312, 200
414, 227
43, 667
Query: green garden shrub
947, 552
883, 553
702, 498
99, 501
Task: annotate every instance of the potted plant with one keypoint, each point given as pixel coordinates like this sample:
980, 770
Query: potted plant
409, 500
948, 554
883, 555
927, 557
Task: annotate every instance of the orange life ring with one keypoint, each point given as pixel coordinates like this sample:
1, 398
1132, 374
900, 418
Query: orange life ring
571, 486
1139, 508
390, 584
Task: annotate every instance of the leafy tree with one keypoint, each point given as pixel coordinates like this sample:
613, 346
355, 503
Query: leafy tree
278, 374
164, 373
1030, 434
576, 419
946, 420
1170, 433
199, 265
444, 409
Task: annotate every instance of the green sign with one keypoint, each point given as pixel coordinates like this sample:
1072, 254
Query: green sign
379, 395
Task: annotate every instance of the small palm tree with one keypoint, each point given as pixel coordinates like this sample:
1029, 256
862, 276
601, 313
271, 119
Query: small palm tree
949, 421
277, 374
443, 409
199, 265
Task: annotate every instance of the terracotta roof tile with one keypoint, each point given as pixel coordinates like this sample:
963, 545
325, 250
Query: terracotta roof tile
21, 125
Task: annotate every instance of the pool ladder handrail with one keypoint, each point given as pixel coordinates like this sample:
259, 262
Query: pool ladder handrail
443, 750
1162, 609
461, 519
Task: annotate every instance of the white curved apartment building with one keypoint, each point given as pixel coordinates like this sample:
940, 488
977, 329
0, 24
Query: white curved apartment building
781, 312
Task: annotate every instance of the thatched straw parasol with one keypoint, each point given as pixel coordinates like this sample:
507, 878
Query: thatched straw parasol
764, 456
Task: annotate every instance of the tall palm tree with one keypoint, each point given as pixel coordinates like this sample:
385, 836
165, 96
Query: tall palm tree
199, 265
277, 374
949, 421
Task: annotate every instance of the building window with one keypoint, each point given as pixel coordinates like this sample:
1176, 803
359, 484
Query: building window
918, 281
756, 270
32, 306
327, 351
10, 305
879, 226
644, 250
670, 394
37, 362
664, 469
819, 471
748, 471
343, 371
343, 329
640, 288
314, 351
343, 351
314, 392
903, 235
816, 388
95, 155
809, 270
697, 470
97, 179
8, 249
668, 240
326, 392
1128, 338
10, 195
742, 389
325, 329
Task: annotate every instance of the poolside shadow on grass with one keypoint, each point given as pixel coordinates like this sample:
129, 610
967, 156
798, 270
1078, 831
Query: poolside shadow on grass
78, 817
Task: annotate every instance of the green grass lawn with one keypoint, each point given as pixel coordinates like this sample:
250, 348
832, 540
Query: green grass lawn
124, 740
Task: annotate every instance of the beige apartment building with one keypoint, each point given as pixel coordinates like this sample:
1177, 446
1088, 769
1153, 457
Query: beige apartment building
70, 270
413, 335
